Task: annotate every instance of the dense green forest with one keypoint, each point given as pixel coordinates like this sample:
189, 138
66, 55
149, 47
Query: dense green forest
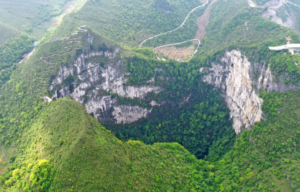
187, 32
135, 21
187, 142
11, 53
261, 160
197, 124
232, 164
164, 5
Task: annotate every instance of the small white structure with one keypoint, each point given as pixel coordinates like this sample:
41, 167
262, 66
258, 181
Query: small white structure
290, 47
47, 99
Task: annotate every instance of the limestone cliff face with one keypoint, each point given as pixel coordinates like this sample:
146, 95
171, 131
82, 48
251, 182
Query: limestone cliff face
266, 80
239, 80
94, 82
129, 114
233, 77
279, 12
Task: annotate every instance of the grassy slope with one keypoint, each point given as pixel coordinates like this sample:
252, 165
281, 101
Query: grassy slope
6, 32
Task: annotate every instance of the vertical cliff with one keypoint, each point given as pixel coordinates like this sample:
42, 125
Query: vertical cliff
92, 83
240, 81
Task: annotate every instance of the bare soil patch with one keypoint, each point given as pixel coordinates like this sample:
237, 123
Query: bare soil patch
185, 52
177, 53
203, 21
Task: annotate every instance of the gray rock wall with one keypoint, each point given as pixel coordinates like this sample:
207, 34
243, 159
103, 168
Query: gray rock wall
92, 80
240, 81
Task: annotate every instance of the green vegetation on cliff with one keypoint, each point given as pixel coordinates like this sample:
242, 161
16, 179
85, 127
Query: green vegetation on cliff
59, 147
191, 114
66, 149
11, 53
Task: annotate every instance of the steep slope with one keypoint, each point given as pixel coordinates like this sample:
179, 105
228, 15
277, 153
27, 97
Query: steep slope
61, 146
66, 149
124, 91
241, 80
267, 158
11, 53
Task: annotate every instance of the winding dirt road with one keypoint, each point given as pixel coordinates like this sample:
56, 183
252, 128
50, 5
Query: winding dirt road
177, 27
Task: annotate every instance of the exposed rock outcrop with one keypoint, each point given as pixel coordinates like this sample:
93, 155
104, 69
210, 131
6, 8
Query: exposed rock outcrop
129, 114
92, 83
276, 6
99, 106
266, 80
233, 77
240, 81
115, 84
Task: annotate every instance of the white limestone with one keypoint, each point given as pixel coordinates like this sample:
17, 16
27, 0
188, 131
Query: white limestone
93, 79
251, 3
103, 104
233, 78
129, 114
115, 84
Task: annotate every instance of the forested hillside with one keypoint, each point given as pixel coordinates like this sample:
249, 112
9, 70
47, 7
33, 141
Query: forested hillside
11, 53
129, 21
7, 32
121, 118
